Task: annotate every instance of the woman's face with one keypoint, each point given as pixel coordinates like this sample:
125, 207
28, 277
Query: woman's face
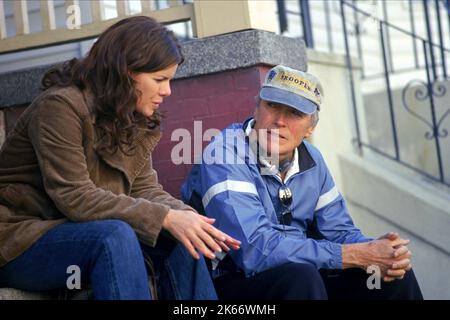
153, 88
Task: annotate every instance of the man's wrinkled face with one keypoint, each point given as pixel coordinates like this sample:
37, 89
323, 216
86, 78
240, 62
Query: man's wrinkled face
281, 123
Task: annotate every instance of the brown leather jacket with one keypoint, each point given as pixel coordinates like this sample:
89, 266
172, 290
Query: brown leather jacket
52, 172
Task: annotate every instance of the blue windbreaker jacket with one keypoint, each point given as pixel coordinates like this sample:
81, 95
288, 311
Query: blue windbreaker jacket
245, 205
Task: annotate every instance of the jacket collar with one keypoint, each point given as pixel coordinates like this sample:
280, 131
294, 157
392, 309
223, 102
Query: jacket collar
305, 160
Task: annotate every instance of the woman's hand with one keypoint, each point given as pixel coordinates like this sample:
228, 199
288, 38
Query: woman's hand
196, 232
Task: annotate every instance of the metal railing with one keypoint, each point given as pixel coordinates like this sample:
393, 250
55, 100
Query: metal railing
414, 103
356, 26
423, 91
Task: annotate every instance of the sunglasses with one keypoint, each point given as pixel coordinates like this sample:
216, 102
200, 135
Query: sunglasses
285, 196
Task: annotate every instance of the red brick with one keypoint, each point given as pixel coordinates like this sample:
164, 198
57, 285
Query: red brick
263, 71
186, 88
220, 122
191, 108
247, 79
203, 86
219, 105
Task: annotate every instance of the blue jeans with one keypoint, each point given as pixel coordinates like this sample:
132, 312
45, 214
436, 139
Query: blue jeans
110, 258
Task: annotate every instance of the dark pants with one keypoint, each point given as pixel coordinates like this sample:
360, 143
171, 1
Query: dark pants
296, 281
110, 258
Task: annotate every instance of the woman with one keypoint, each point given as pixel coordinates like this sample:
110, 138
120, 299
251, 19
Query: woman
77, 187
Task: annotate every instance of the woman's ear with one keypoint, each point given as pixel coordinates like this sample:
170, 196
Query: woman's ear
133, 77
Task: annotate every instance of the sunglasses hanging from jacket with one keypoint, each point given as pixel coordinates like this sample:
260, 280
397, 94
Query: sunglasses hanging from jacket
285, 197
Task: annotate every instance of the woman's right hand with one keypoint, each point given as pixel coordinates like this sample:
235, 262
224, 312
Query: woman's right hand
196, 232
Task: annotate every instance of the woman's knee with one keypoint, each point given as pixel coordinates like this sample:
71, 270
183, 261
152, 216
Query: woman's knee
121, 232
117, 235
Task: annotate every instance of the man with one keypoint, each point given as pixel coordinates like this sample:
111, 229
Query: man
272, 190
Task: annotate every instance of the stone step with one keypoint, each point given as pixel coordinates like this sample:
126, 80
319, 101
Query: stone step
16, 294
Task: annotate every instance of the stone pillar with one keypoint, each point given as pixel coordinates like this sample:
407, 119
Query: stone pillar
223, 16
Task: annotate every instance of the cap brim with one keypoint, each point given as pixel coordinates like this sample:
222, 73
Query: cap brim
288, 98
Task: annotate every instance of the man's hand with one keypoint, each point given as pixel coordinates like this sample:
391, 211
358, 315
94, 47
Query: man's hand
398, 269
196, 232
389, 253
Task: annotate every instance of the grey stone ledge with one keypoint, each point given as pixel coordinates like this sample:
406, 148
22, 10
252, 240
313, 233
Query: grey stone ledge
240, 50
202, 56
20, 87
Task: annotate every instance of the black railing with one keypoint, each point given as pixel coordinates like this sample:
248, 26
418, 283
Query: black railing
306, 23
388, 67
413, 30
431, 88
352, 82
407, 106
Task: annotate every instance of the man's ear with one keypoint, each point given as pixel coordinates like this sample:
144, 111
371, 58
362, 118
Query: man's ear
255, 112
309, 132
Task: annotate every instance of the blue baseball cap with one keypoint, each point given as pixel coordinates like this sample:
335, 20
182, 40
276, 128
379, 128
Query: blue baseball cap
297, 89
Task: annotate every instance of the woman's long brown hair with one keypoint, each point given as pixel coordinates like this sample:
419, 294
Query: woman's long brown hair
132, 45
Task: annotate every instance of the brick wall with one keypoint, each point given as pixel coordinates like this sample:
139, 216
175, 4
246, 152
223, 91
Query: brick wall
217, 100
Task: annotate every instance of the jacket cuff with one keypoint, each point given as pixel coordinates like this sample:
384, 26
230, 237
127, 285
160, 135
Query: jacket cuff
153, 220
183, 206
336, 258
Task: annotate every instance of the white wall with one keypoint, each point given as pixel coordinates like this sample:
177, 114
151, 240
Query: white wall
382, 195
382, 200
335, 129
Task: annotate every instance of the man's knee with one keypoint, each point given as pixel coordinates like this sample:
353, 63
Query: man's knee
299, 281
409, 287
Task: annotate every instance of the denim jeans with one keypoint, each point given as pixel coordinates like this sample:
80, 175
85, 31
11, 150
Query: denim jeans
110, 258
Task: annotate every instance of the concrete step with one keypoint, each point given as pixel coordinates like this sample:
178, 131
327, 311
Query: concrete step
16, 294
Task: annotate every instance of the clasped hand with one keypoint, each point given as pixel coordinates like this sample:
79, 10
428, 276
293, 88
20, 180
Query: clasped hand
393, 256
